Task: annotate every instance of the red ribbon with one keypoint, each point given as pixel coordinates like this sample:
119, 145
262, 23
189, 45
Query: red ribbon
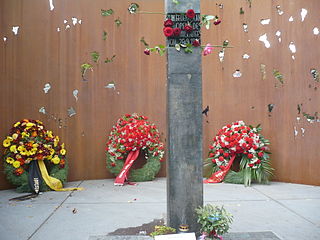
123, 175
219, 175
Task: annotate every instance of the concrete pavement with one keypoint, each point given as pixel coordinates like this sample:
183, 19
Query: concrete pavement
291, 211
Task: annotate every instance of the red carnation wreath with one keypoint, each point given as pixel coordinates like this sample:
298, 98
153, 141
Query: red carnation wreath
132, 135
238, 141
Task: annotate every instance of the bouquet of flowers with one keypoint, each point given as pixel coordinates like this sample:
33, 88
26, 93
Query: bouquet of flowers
214, 221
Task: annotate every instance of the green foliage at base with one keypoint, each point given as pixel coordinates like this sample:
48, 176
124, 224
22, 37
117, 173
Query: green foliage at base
147, 173
247, 176
162, 230
22, 181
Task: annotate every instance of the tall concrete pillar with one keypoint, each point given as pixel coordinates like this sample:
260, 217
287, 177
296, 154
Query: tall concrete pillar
184, 119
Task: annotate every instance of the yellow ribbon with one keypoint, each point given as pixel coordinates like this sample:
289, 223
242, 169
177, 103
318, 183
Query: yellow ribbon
54, 183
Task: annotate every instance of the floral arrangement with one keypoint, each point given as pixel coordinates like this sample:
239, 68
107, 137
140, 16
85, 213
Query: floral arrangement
245, 143
134, 132
214, 221
162, 230
30, 141
187, 25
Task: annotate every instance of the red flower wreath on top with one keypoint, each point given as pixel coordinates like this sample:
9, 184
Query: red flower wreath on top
238, 140
133, 133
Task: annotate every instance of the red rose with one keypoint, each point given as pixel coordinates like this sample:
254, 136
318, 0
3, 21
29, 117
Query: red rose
221, 151
258, 161
176, 31
226, 154
251, 164
188, 28
221, 159
216, 22
260, 154
147, 51
196, 43
190, 13
211, 155
238, 149
213, 160
250, 156
168, 31
113, 164
168, 23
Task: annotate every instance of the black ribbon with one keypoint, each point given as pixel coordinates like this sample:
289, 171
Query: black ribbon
34, 180
34, 177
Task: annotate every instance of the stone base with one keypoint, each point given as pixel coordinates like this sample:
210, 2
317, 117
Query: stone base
268, 235
251, 236
128, 237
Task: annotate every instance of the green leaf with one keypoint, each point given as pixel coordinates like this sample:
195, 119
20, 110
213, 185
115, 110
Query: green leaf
278, 76
210, 17
176, 2
205, 20
118, 22
108, 12
104, 35
189, 48
225, 43
95, 56
144, 42
85, 67
133, 8
241, 11
110, 60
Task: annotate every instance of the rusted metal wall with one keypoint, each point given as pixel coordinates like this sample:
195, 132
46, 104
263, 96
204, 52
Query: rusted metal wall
40, 54
295, 158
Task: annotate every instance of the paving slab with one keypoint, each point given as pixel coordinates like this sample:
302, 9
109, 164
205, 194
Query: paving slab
103, 208
231, 192
50, 197
82, 220
104, 191
268, 235
306, 208
257, 216
123, 237
19, 221
279, 190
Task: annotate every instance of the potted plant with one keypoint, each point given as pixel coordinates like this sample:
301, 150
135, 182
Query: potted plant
214, 221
